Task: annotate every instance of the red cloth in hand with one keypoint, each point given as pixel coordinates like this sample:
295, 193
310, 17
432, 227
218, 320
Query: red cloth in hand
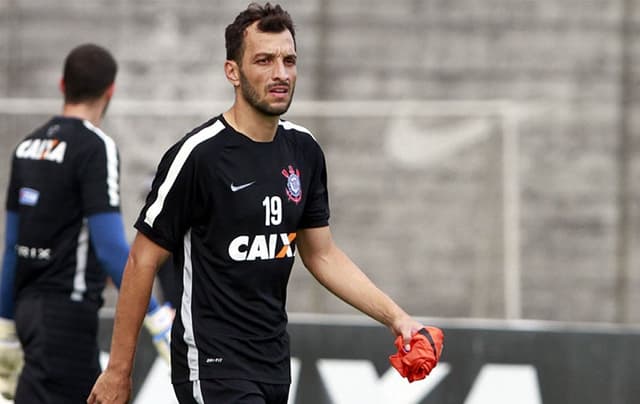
426, 348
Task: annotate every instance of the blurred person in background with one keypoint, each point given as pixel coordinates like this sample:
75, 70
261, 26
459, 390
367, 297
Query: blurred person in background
233, 202
64, 236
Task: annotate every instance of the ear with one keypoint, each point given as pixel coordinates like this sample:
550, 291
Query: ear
110, 90
61, 85
232, 72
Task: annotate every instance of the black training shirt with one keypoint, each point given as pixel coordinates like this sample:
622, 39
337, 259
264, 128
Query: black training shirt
61, 174
228, 208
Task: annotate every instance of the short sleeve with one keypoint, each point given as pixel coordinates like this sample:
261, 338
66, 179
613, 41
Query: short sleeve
99, 177
167, 213
316, 211
14, 188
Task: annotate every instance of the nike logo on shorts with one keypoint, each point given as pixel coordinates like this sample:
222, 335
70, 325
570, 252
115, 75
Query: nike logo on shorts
236, 188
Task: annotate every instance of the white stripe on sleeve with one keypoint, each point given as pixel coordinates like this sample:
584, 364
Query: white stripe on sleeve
113, 188
185, 150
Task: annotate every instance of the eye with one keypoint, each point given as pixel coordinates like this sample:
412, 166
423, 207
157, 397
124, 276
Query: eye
290, 61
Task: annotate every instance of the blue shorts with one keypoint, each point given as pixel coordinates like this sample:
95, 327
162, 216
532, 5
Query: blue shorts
231, 391
59, 339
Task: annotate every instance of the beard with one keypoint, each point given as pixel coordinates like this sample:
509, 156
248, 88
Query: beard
250, 94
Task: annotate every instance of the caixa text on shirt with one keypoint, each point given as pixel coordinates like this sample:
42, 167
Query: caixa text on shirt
262, 247
42, 149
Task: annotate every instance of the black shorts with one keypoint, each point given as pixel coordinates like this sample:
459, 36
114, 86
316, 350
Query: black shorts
59, 339
231, 391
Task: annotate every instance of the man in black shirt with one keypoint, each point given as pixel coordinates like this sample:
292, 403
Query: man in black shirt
64, 236
233, 202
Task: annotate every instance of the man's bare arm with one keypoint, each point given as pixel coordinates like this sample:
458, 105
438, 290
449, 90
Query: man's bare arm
145, 257
340, 275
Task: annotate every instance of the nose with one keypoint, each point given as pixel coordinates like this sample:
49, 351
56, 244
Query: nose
280, 71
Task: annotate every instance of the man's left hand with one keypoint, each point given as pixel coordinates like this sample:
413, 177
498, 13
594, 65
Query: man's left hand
11, 358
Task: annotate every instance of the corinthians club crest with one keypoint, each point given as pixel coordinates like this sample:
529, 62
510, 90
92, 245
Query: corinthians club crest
294, 187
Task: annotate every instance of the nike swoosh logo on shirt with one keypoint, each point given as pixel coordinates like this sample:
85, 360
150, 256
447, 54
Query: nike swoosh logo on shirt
235, 188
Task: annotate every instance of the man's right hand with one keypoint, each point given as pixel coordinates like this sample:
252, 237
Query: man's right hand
110, 388
10, 358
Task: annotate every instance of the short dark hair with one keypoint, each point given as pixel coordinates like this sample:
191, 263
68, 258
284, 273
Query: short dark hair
272, 18
89, 70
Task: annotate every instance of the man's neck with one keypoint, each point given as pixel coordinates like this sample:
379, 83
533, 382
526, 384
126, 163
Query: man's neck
253, 124
89, 112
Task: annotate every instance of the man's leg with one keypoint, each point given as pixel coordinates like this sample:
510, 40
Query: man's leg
59, 337
28, 317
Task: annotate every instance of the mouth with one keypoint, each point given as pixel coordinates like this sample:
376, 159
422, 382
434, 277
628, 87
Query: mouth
279, 90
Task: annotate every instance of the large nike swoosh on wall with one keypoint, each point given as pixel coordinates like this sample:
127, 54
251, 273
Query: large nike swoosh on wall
416, 146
